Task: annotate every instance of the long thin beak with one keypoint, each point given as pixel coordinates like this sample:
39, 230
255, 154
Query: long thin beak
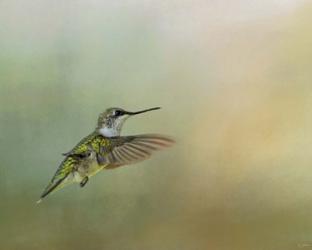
142, 111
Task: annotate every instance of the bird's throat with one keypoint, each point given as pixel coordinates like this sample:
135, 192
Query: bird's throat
108, 132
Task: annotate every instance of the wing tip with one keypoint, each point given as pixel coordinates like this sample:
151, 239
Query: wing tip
161, 140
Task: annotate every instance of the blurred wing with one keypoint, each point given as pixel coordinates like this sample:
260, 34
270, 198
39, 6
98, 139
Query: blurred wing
131, 149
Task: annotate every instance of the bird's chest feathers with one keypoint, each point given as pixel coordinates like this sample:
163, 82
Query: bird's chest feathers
108, 132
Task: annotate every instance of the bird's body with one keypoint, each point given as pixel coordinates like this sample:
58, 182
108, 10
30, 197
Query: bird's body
104, 149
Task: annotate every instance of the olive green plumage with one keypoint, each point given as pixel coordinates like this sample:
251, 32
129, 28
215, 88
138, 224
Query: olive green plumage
105, 149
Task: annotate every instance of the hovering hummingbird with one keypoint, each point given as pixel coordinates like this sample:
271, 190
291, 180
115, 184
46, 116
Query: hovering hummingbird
104, 148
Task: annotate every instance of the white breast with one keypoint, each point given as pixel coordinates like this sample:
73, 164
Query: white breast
108, 132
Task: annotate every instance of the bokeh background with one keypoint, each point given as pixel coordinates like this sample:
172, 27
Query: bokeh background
234, 81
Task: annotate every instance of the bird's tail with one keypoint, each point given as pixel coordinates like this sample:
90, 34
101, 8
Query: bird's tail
52, 187
61, 177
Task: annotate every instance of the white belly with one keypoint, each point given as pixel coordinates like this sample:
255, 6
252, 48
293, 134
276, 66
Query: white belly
84, 171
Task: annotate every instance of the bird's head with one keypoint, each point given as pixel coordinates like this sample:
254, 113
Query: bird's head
110, 121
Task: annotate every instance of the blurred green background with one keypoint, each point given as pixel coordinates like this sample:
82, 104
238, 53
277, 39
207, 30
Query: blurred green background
234, 81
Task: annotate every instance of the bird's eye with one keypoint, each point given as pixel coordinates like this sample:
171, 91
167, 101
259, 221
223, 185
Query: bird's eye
118, 113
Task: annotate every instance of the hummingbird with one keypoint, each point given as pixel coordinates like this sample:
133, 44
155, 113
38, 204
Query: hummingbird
105, 148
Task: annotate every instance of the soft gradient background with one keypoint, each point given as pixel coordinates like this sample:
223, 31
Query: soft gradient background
234, 79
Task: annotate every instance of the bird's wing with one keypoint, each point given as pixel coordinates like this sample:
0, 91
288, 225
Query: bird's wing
126, 150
